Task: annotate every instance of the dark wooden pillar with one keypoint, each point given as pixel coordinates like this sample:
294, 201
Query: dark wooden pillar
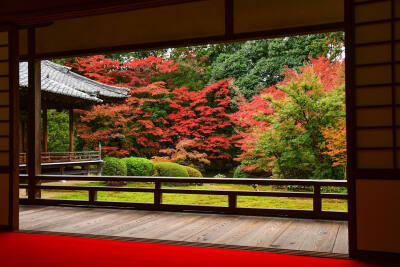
71, 130
14, 129
24, 139
44, 149
34, 107
21, 136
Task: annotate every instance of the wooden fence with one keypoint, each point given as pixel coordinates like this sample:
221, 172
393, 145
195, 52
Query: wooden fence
52, 157
232, 208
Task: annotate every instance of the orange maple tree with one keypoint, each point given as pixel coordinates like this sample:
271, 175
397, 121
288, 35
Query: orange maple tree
335, 137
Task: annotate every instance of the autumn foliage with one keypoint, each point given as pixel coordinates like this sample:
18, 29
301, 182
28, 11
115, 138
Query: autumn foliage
184, 153
289, 129
298, 121
335, 136
138, 126
250, 120
203, 116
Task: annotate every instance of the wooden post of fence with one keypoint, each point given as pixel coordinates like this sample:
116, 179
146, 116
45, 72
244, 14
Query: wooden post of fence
232, 199
99, 165
157, 193
317, 201
92, 196
87, 169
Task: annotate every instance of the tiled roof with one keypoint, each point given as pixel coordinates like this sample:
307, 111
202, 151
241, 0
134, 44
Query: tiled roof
61, 80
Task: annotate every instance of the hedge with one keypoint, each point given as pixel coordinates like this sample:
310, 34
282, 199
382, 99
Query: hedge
139, 166
114, 167
193, 172
170, 169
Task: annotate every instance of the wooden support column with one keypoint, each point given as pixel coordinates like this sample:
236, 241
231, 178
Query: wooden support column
44, 149
21, 136
34, 107
24, 139
71, 130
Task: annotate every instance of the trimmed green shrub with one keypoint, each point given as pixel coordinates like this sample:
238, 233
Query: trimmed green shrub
220, 175
114, 167
193, 172
170, 169
139, 166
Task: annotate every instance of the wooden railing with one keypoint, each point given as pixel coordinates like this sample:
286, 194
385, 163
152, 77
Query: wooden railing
232, 208
51, 157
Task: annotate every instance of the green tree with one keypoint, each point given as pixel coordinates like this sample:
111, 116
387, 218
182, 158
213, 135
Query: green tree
58, 131
195, 64
190, 73
259, 64
294, 144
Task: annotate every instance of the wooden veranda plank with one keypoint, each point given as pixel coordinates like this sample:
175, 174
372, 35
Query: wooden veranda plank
341, 243
192, 228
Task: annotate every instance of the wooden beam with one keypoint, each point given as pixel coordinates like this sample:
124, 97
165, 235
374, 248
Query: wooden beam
327, 27
44, 149
41, 15
34, 107
229, 31
71, 130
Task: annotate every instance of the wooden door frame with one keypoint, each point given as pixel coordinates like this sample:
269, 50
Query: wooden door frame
13, 121
350, 124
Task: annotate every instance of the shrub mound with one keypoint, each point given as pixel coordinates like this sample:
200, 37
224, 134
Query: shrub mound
114, 167
170, 169
139, 166
193, 172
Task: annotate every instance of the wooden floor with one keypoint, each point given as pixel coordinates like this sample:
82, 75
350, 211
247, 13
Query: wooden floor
264, 233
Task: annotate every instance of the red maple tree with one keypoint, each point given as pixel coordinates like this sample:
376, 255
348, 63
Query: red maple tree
137, 126
204, 116
250, 121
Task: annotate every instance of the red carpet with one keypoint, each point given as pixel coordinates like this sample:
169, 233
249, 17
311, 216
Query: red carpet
17, 249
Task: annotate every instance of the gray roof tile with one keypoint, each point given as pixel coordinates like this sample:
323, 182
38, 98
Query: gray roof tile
61, 80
